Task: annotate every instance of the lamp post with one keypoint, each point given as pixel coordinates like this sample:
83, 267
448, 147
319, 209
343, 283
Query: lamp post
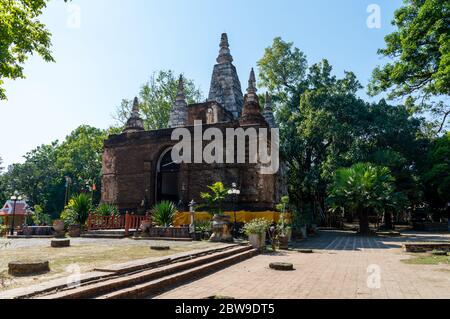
235, 192
68, 182
14, 198
192, 205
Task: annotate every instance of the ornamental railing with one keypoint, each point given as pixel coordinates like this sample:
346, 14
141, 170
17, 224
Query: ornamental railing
127, 222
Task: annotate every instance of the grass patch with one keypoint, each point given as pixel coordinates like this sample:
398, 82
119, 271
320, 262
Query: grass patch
427, 259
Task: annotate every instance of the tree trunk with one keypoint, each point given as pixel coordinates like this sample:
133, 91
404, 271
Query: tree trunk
364, 228
349, 217
388, 221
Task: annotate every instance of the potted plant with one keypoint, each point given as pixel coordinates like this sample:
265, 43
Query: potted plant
256, 232
76, 213
59, 226
203, 229
220, 222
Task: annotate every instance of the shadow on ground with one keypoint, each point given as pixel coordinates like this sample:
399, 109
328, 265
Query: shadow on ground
346, 240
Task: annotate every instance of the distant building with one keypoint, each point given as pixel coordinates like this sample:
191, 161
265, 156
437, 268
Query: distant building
20, 212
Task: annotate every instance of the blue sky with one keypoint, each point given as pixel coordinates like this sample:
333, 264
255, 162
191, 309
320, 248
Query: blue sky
120, 43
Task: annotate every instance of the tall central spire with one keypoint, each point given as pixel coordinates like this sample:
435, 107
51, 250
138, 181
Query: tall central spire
224, 53
225, 85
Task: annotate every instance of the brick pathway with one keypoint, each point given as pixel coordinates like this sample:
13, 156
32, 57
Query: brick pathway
337, 269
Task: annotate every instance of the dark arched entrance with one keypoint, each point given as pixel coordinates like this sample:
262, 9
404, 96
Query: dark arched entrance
167, 176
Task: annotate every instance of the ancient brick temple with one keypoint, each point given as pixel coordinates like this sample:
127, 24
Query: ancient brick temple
138, 170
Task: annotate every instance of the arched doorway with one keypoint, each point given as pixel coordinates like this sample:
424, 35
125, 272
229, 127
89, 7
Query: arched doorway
167, 176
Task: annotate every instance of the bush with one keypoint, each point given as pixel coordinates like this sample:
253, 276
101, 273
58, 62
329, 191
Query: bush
257, 226
3, 230
77, 211
164, 213
105, 209
203, 226
69, 216
39, 217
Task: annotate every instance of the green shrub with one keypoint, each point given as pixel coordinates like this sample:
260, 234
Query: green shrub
105, 209
3, 230
203, 226
214, 200
256, 226
69, 216
164, 213
77, 211
39, 217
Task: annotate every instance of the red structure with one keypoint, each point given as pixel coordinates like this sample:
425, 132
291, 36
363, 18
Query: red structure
21, 211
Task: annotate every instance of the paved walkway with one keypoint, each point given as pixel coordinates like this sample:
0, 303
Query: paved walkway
343, 266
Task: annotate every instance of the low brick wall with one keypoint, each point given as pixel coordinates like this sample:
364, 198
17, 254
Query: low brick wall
425, 247
170, 232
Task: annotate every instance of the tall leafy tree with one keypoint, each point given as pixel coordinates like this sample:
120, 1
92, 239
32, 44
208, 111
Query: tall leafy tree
42, 176
38, 178
324, 126
157, 97
3, 190
21, 34
80, 157
420, 53
436, 173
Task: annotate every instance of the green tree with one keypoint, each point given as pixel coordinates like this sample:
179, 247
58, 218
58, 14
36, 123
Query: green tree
420, 50
282, 69
38, 178
21, 34
436, 173
157, 97
42, 176
324, 125
3, 190
80, 158
362, 189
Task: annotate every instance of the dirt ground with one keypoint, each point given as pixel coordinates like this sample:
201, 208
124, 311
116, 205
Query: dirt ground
85, 253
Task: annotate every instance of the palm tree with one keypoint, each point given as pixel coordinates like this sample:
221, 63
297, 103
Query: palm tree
362, 189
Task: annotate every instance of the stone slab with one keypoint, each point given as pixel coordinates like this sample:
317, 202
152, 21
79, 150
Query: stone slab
60, 243
425, 247
28, 268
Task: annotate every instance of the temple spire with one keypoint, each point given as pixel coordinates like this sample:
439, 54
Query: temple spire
251, 90
225, 86
268, 111
224, 53
134, 123
252, 82
180, 93
251, 112
135, 110
178, 114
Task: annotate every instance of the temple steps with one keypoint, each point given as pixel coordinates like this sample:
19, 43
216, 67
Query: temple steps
151, 282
